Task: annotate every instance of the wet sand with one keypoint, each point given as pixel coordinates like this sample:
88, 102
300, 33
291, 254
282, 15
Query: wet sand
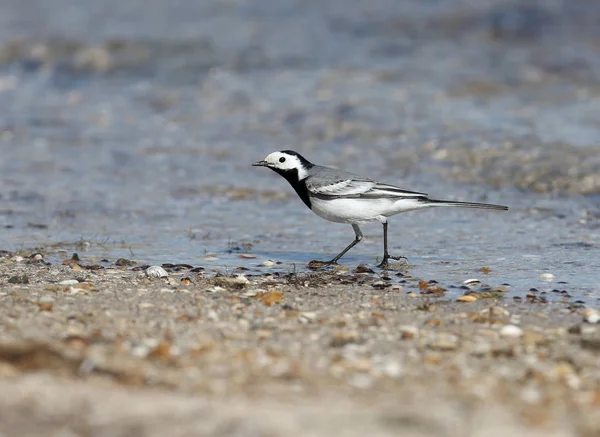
339, 352
129, 131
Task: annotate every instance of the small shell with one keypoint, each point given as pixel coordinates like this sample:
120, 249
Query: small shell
268, 263
156, 272
69, 282
511, 331
547, 277
473, 282
591, 316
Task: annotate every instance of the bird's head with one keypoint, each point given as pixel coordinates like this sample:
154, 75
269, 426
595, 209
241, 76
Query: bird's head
286, 162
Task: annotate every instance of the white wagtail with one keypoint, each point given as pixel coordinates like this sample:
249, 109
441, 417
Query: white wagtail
343, 197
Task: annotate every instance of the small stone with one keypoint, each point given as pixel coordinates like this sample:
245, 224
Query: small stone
18, 279
495, 311
46, 306
392, 368
18, 258
591, 316
212, 316
268, 263
122, 262
467, 299
215, 289
511, 331
307, 316
547, 277
582, 329
445, 342
394, 288
38, 257
408, 331
342, 338
156, 272
247, 256
433, 322
69, 282
239, 281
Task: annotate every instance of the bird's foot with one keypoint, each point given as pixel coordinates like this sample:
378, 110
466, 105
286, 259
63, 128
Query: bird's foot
384, 264
315, 265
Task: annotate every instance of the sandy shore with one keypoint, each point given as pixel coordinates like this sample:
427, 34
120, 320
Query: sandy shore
113, 351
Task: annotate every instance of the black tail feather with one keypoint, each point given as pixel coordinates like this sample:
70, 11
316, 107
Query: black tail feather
467, 204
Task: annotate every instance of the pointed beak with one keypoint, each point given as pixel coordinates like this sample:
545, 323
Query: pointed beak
260, 164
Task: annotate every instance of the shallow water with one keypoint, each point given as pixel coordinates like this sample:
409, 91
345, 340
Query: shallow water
134, 126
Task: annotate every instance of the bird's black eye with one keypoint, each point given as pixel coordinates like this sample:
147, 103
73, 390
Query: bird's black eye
282, 159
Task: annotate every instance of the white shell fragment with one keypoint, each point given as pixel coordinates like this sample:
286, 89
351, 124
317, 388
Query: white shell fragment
547, 277
511, 331
69, 282
591, 316
156, 272
473, 282
268, 263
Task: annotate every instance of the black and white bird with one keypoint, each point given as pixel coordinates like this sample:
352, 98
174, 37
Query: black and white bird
343, 197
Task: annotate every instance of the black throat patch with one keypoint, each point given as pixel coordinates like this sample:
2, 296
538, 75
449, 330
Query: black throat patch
292, 177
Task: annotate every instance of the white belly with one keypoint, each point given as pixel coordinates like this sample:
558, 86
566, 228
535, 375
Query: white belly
356, 211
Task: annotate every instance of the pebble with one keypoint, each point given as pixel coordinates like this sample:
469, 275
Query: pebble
444, 342
307, 316
18, 258
69, 282
156, 272
394, 288
215, 289
547, 277
408, 331
591, 316
268, 263
466, 299
496, 311
392, 368
238, 281
212, 316
511, 331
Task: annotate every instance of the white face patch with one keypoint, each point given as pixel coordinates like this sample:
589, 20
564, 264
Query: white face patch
284, 161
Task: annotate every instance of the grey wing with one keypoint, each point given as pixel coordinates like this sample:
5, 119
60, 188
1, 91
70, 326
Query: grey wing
328, 182
391, 191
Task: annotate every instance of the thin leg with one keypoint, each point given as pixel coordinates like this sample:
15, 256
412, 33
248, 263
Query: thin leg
358, 237
386, 255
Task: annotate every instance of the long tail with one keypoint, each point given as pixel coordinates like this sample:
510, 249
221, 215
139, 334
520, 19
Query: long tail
467, 204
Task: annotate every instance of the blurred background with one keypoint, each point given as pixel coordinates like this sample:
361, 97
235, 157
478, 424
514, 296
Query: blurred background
128, 127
